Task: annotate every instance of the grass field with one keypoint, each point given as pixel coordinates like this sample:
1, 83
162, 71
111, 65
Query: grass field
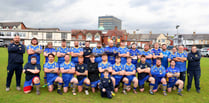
14, 96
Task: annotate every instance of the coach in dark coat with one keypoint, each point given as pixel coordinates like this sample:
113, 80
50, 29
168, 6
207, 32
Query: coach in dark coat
193, 69
15, 61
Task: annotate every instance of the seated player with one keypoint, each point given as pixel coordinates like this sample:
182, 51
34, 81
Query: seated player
158, 72
93, 73
130, 76
143, 69
32, 71
51, 69
117, 72
81, 73
172, 74
68, 70
105, 65
106, 85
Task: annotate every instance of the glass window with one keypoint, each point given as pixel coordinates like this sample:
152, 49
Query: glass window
80, 37
48, 35
63, 35
97, 37
89, 36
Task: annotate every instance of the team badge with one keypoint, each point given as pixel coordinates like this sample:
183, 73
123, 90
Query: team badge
82, 67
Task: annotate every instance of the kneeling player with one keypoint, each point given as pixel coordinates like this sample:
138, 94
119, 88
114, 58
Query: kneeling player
93, 73
143, 69
172, 74
51, 69
32, 71
81, 73
130, 72
68, 69
117, 72
106, 85
158, 72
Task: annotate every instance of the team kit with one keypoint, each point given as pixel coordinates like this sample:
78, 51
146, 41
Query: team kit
106, 69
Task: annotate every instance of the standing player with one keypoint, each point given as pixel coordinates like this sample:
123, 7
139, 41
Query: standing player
130, 72
156, 52
68, 70
158, 72
135, 54
86, 52
106, 85
123, 52
147, 53
143, 69
49, 49
32, 71
181, 58
117, 72
105, 65
93, 73
61, 51
166, 55
81, 73
51, 69
76, 52
98, 51
172, 74
111, 51
34, 50
172, 54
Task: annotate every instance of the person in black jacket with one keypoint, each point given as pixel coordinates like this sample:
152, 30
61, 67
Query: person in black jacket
93, 73
106, 85
32, 71
15, 61
86, 52
193, 69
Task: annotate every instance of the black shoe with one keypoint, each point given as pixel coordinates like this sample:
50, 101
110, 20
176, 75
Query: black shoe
59, 92
188, 90
151, 92
198, 91
180, 94
55, 87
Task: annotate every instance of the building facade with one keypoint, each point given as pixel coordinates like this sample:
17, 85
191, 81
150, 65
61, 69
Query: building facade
109, 22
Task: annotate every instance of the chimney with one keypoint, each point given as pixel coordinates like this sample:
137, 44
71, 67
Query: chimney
116, 28
134, 32
150, 32
194, 33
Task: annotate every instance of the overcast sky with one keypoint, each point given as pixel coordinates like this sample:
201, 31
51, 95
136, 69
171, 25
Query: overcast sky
158, 16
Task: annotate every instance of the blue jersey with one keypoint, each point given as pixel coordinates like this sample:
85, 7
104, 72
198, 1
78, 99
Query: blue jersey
48, 50
67, 66
173, 71
51, 66
104, 66
157, 53
62, 50
172, 56
166, 55
158, 71
147, 53
76, 50
37, 55
111, 52
118, 68
129, 68
98, 53
123, 50
181, 65
135, 52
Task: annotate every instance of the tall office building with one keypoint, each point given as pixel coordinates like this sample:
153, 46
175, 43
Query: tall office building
109, 23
